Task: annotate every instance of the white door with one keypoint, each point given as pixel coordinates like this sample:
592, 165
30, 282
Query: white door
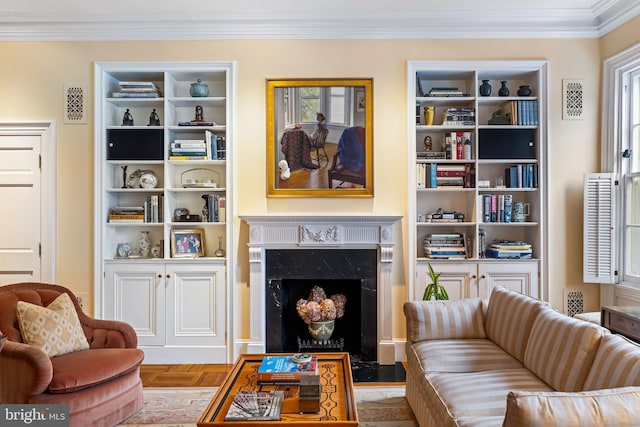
20, 232
516, 276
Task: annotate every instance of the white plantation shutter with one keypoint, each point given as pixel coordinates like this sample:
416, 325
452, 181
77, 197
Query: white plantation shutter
599, 232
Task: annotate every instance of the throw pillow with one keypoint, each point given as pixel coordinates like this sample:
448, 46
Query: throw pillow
54, 329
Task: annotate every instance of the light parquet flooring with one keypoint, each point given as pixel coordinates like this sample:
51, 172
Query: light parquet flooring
188, 375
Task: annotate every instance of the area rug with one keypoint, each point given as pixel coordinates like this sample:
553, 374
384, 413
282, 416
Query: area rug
182, 407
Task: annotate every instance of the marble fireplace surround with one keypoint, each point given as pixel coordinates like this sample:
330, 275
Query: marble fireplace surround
325, 232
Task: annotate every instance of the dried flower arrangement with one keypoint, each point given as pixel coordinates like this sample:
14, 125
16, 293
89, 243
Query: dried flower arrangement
318, 307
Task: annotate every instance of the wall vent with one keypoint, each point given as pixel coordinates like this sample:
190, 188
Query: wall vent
575, 303
75, 103
573, 99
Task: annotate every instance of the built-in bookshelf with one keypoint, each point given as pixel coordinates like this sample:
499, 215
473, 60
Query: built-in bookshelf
164, 204
477, 205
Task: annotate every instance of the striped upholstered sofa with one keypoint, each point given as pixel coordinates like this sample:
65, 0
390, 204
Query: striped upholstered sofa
514, 361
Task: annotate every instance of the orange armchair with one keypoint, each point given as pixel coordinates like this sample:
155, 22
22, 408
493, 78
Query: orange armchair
101, 385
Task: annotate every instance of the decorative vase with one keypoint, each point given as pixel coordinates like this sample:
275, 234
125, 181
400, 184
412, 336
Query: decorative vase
199, 89
145, 244
220, 252
504, 90
429, 113
524, 90
485, 88
321, 331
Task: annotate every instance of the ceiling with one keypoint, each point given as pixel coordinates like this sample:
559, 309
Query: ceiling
320, 19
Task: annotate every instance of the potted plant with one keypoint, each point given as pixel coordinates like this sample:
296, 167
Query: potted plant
434, 290
320, 312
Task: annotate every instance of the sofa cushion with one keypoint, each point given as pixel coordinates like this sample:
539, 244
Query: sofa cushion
463, 355
510, 316
561, 349
612, 407
427, 320
479, 394
54, 329
617, 364
84, 369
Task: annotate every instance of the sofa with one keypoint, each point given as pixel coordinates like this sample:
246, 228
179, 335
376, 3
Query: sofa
515, 361
99, 380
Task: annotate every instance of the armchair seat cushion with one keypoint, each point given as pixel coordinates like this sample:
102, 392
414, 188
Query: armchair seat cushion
83, 369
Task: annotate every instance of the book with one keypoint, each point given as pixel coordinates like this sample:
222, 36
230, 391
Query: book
255, 406
284, 369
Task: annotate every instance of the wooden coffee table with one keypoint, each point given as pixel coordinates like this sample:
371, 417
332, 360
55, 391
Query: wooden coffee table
623, 320
337, 401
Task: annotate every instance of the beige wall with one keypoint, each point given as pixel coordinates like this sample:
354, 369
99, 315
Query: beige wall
31, 87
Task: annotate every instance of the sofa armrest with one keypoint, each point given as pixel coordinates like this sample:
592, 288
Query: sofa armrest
430, 320
108, 333
28, 370
608, 407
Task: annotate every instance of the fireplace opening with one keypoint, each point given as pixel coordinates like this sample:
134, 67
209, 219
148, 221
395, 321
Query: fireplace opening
290, 276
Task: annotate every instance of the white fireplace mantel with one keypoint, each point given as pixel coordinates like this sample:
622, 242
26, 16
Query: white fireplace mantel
330, 232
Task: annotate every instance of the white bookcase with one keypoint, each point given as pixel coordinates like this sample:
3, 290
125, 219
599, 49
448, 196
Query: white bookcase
490, 150
176, 301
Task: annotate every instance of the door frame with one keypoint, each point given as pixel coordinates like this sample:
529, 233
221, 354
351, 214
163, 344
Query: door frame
48, 213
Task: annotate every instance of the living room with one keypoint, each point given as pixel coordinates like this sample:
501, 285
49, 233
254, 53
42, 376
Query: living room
37, 70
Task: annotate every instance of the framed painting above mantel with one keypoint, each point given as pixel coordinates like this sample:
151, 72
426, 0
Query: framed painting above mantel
320, 137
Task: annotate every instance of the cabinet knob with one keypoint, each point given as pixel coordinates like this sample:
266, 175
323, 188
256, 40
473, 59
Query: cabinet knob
473, 276
483, 277
159, 276
168, 276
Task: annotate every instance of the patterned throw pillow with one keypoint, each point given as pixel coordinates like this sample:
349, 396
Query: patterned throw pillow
54, 329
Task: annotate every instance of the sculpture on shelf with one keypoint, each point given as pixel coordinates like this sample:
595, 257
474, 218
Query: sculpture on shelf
127, 119
499, 118
199, 114
154, 120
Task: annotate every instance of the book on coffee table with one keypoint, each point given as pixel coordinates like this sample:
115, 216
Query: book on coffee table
255, 406
278, 369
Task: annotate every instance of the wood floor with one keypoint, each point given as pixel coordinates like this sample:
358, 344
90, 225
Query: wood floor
183, 375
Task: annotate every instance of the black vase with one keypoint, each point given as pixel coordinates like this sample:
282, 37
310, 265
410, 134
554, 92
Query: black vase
504, 90
524, 90
485, 88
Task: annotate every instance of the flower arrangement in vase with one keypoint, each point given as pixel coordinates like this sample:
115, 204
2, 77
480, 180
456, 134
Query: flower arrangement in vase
320, 312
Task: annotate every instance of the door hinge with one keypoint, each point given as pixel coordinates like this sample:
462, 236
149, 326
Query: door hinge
40, 250
40, 161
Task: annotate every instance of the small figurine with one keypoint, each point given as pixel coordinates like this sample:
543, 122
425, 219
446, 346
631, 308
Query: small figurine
427, 144
154, 120
199, 114
127, 119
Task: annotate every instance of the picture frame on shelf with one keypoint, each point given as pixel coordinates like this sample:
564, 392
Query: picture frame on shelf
187, 243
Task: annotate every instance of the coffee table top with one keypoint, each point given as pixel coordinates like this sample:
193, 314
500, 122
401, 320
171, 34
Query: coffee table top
337, 401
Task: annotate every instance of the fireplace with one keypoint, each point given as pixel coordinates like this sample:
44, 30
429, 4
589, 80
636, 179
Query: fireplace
343, 254
290, 274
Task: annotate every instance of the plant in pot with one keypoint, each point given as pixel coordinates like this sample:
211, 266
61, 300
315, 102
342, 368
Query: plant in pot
434, 290
320, 312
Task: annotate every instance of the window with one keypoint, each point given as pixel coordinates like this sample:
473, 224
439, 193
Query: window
621, 156
310, 104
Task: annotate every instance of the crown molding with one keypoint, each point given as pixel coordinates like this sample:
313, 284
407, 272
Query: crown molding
437, 24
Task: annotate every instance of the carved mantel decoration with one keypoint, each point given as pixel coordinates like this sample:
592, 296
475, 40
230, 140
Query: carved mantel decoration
328, 232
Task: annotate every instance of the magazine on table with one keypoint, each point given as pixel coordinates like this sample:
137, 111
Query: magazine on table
255, 406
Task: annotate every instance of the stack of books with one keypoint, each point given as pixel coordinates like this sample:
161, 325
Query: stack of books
137, 90
127, 214
445, 246
283, 369
444, 216
445, 176
446, 91
509, 249
188, 149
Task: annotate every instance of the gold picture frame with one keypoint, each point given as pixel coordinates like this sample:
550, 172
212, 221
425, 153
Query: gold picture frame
339, 164
187, 243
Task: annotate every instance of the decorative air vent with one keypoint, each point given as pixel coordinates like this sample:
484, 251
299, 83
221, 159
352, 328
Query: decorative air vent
75, 102
572, 99
575, 303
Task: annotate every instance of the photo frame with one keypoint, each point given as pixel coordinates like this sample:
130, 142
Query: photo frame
360, 101
187, 243
320, 137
